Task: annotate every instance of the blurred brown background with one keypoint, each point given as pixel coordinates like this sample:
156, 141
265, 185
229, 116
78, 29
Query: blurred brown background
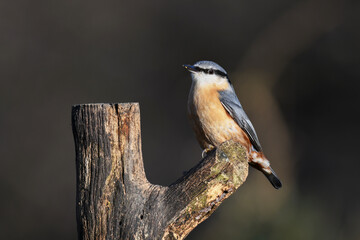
295, 66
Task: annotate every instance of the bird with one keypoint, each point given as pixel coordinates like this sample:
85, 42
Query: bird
217, 115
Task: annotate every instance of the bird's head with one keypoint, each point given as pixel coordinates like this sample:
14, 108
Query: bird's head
207, 72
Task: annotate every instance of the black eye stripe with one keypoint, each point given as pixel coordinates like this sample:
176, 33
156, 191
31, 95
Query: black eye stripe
218, 72
198, 69
211, 71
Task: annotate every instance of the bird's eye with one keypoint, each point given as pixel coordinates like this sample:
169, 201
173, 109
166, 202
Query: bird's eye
211, 71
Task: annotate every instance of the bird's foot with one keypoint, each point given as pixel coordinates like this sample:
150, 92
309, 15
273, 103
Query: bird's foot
205, 151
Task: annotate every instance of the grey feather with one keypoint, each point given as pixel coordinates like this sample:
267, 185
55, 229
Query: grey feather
232, 105
209, 64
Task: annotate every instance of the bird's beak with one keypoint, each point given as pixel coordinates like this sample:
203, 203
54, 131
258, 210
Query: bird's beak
190, 68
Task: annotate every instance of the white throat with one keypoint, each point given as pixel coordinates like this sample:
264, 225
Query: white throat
204, 79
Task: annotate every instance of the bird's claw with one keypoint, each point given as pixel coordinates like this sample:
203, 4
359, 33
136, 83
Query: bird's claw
205, 151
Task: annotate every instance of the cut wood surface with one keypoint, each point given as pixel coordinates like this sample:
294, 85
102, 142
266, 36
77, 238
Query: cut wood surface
114, 198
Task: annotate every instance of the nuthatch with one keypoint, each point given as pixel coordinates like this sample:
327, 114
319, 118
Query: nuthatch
217, 116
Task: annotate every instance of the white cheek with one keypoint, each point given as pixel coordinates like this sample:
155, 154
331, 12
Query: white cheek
203, 79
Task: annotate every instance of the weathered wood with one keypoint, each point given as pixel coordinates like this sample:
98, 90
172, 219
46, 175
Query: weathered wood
114, 198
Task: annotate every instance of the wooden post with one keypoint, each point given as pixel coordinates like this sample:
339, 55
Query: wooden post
114, 198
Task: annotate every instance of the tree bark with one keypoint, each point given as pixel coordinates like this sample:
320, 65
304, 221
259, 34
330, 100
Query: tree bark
114, 198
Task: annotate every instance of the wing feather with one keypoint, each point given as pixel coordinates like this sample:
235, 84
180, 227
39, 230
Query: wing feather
232, 105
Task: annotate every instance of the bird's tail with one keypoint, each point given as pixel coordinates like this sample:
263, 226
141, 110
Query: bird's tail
273, 179
263, 165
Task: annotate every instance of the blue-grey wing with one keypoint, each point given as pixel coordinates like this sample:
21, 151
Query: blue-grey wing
232, 105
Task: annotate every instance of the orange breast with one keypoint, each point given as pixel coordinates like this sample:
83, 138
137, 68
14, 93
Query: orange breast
211, 122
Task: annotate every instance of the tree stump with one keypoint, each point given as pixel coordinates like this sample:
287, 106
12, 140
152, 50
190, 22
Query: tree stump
114, 198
